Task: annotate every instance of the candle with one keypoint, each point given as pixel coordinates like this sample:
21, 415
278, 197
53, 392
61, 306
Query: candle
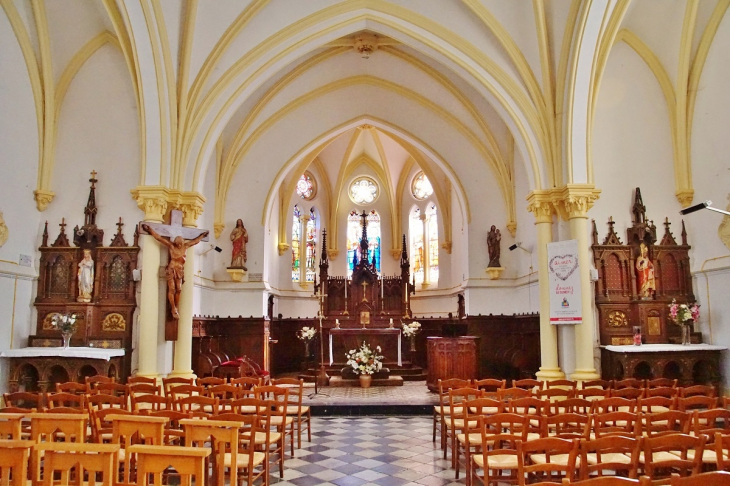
346, 284
382, 290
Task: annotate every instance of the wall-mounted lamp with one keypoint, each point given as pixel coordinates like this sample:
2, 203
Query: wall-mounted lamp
212, 247
519, 245
704, 205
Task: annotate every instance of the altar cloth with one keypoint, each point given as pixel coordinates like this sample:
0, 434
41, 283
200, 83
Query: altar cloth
72, 352
657, 348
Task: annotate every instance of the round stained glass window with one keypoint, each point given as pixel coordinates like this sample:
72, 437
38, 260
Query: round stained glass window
306, 187
421, 187
363, 190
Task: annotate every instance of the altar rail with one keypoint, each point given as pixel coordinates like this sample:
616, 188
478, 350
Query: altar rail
509, 344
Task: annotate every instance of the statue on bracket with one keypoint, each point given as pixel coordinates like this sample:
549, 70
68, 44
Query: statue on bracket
239, 237
177, 245
645, 274
493, 240
3, 230
86, 277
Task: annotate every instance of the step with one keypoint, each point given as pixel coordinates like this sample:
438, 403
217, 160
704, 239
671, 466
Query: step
339, 382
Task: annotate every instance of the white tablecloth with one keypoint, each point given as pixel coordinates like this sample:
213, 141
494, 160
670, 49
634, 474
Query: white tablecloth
656, 348
72, 352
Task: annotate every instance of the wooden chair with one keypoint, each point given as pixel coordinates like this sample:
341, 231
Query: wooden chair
567, 426
14, 455
244, 406
129, 430
177, 392
665, 423
571, 405
11, 426
114, 389
152, 460
294, 407
661, 382
66, 400
101, 427
197, 403
532, 407
48, 427
555, 394
543, 458
173, 433
696, 402
624, 424
715, 478
81, 459
628, 392
92, 380
512, 393
168, 383
71, 387
103, 401
441, 411
24, 400
609, 481
528, 384
247, 383
283, 423
144, 389
702, 390
722, 451
210, 381
593, 393
565, 384
490, 386
610, 453
709, 423
661, 391
656, 404
455, 424
150, 402
627, 383
670, 452
224, 393
500, 435
132, 380
615, 404
470, 439
603, 384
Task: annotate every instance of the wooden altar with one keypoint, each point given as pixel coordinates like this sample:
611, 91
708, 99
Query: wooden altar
623, 303
343, 340
104, 318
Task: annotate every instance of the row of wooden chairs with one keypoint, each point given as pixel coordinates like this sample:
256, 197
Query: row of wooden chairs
529, 383
715, 478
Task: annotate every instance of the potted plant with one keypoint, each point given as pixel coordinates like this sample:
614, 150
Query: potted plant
66, 323
410, 331
365, 362
306, 334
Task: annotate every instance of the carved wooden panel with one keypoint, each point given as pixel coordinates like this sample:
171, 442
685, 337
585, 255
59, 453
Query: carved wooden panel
451, 358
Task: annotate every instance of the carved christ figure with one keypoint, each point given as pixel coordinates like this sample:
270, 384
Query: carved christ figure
645, 272
174, 270
86, 277
239, 237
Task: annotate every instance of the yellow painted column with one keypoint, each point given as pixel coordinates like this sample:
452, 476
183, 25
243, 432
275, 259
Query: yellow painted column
154, 206
542, 208
576, 201
183, 357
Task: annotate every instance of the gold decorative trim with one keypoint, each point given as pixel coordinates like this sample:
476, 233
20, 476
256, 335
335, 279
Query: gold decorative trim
114, 322
622, 341
48, 321
4, 232
105, 343
617, 318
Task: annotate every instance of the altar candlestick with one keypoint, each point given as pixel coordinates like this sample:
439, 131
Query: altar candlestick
346, 284
382, 290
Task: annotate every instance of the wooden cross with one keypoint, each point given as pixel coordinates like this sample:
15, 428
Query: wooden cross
174, 229
63, 225
119, 226
364, 291
320, 297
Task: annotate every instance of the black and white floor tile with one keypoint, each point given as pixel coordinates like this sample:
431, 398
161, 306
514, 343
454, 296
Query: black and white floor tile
367, 451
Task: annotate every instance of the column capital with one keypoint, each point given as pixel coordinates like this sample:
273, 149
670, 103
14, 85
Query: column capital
191, 204
540, 204
43, 198
218, 229
152, 200
685, 197
575, 200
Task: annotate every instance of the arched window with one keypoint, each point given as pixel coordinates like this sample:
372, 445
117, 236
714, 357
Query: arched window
296, 235
311, 245
432, 224
421, 187
418, 258
354, 233
306, 186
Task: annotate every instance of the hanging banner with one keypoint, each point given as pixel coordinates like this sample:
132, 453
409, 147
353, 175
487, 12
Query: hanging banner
565, 294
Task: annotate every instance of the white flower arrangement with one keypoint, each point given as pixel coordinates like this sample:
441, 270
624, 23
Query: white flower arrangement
365, 361
410, 330
306, 333
66, 323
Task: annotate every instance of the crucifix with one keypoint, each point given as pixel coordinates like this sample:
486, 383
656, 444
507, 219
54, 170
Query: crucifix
63, 225
177, 239
322, 378
364, 291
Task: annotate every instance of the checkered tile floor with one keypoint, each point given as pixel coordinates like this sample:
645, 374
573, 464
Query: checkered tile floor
365, 451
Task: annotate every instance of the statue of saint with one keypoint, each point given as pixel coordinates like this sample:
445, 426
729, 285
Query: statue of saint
174, 270
239, 237
86, 277
645, 274
493, 240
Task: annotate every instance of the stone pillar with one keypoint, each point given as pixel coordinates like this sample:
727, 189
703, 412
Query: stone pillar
154, 207
303, 250
575, 202
542, 208
426, 256
182, 360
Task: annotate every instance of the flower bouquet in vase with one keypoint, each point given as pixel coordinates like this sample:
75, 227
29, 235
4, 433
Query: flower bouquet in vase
410, 331
66, 323
365, 362
306, 335
684, 315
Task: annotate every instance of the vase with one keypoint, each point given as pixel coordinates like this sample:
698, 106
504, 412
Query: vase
66, 339
366, 381
413, 344
687, 332
306, 350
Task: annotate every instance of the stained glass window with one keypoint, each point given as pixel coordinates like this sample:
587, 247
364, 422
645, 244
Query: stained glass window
433, 244
296, 231
418, 258
354, 233
306, 186
311, 245
421, 187
363, 190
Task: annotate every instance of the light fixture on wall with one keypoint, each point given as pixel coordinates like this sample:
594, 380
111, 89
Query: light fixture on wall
519, 245
212, 247
704, 205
